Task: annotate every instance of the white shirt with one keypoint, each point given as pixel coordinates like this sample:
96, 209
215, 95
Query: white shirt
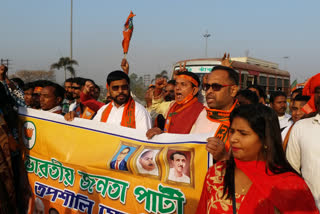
184, 178
54, 109
204, 125
73, 106
143, 119
285, 122
303, 153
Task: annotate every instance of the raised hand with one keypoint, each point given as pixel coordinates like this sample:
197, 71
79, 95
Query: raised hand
125, 66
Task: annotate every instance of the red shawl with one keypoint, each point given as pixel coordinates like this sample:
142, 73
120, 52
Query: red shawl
181, 117
128, 116
286, 192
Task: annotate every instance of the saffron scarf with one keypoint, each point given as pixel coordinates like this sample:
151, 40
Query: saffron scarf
286, 192
221, 117
308, 90
178, 107
128, 116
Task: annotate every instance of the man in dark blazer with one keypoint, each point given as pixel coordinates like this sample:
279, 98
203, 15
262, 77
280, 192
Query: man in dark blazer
120, 163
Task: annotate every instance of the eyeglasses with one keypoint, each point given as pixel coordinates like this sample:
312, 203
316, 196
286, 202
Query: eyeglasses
73, 87
214, 86
123, 87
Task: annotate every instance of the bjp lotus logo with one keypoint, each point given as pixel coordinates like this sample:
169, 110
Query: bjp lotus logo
29, 134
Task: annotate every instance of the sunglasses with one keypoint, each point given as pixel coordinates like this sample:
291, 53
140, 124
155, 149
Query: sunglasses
73, 87
123, 87
214, 86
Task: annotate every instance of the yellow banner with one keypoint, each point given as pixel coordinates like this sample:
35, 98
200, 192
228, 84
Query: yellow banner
85, 166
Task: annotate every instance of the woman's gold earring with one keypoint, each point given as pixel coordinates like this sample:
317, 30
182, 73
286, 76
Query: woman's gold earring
265, 146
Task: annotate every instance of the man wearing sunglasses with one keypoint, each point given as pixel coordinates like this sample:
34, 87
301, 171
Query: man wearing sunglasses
220, 90
78, 108
123, 110
184, 111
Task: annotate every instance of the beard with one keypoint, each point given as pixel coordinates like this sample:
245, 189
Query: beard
69, 96
121, 101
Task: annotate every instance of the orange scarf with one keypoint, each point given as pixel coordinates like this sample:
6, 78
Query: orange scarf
178, 107
308, 90
221, 117
128, 116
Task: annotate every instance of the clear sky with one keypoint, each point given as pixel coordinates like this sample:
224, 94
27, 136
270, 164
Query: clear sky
36, 33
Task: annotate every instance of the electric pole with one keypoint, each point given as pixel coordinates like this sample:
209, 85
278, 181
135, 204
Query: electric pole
71, 30
206, 36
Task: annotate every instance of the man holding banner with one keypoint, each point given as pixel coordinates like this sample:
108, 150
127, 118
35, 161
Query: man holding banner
221, 89
182, 113
123, 110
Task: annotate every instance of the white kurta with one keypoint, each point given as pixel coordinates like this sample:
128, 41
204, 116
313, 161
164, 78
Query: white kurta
303, 152
142, 116
204, 125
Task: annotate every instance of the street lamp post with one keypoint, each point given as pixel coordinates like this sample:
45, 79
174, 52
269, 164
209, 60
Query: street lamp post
285, 58
206, 36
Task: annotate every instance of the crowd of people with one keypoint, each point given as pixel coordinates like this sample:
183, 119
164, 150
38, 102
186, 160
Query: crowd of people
266, 155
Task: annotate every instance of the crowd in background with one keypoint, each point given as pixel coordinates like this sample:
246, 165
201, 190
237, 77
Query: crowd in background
266, 152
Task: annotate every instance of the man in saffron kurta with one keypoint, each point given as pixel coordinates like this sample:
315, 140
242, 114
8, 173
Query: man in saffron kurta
221, 89
184, 111
123, 110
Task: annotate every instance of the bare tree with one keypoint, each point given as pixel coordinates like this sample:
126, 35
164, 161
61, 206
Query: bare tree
30, 76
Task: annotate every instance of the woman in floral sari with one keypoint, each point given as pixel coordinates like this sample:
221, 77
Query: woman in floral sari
257, 178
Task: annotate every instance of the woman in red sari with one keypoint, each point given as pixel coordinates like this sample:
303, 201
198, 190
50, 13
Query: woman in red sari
257, 178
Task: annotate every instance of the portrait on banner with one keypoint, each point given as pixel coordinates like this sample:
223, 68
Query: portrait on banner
120, 160
147, 162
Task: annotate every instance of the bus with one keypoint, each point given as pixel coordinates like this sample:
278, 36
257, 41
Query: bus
251, 71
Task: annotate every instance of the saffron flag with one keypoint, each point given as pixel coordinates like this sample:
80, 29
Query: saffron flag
127, 33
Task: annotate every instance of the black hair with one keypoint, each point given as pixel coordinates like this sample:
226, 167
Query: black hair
264, 122
96, 86
7, 104
298, 90
261, 91
42, 83
249, 95
172, 82
233, 75
299, 97
192, 75
79, 81
58, 90
18, 81
276, 94
69, 80
28, 85
177, 153
117, 75
127, 148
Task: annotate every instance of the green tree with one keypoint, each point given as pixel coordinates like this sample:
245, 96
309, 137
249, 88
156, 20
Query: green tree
67, 64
